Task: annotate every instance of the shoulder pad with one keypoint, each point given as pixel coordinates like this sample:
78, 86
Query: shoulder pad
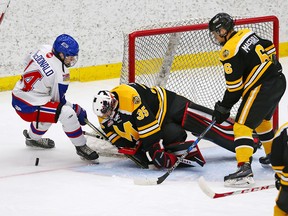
232, 46
129, 98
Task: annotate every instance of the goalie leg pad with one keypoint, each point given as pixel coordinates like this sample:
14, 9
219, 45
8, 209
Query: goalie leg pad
195, 120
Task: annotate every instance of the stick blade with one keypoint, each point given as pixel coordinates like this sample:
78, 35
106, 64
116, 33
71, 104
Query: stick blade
205, 188
152, 181
145, 181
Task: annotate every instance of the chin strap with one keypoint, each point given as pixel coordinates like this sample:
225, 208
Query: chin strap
225, 36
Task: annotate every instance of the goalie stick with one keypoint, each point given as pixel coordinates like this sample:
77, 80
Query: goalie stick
98, 131
103, 136
93, 135
170, 170
210, 193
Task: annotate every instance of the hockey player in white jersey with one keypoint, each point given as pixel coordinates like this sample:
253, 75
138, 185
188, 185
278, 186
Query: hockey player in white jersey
39, 96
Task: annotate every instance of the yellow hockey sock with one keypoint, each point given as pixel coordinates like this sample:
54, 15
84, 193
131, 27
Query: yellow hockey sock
243, 153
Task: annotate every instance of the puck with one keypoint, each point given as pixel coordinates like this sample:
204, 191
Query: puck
36, 161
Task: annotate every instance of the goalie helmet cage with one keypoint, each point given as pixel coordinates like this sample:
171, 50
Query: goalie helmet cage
181, 57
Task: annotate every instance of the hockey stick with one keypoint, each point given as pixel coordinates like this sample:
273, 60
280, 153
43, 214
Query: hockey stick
98, 131
170, 170
3, 13
93, 135
103, 136
210, 193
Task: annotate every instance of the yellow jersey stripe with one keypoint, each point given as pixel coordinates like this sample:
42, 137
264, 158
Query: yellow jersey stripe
148, 125
256, 76
147, 134
248, 105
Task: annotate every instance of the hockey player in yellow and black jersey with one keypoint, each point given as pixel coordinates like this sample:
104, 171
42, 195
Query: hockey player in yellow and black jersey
279, 161
253, 73
152, 123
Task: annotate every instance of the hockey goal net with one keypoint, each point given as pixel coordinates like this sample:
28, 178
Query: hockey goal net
181, 57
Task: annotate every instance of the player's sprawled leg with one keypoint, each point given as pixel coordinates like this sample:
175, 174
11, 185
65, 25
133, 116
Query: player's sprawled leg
244, 151
196, 118
73, 130
34, 136
266, 134
279, 161
173, 133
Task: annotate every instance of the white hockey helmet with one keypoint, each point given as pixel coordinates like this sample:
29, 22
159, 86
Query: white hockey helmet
104, 104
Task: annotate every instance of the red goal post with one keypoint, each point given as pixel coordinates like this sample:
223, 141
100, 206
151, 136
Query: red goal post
181, 57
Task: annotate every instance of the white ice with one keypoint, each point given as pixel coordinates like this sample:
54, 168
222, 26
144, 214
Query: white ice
63, 185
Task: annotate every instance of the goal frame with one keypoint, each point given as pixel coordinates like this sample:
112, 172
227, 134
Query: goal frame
166, 30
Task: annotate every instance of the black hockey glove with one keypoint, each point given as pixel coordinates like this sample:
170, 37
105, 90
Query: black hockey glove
81, 114
220, 113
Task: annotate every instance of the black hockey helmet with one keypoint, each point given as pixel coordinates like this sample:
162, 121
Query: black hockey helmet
221, 20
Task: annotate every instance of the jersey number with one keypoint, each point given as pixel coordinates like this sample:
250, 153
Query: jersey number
30, 79
142, 113
261, 53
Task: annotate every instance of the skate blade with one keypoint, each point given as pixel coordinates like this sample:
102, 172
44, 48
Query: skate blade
96, 161
266, 165
39, 147
239, 182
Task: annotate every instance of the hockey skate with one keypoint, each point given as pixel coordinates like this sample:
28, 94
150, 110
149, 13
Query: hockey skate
265, 161
45, 143
243, 177
86, 153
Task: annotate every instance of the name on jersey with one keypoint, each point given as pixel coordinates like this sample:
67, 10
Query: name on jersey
41, 61
250, 43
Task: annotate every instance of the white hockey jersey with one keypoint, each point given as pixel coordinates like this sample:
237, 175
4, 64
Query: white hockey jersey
44, 79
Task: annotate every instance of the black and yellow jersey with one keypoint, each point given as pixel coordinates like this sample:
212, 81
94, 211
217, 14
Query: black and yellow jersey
140, 114
246, 59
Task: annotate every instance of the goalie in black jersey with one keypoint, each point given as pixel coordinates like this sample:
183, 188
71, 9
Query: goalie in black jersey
149, 124
253, 73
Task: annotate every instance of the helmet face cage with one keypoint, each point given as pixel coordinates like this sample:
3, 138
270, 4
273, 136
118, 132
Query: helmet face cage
69, 47
104, 103
70, 61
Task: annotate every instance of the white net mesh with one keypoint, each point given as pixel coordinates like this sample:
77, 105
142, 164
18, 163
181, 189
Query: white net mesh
181, 57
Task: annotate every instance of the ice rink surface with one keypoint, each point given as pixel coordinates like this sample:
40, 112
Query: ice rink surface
64, 185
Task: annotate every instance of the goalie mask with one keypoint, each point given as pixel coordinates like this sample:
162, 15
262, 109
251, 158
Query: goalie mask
104, 104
